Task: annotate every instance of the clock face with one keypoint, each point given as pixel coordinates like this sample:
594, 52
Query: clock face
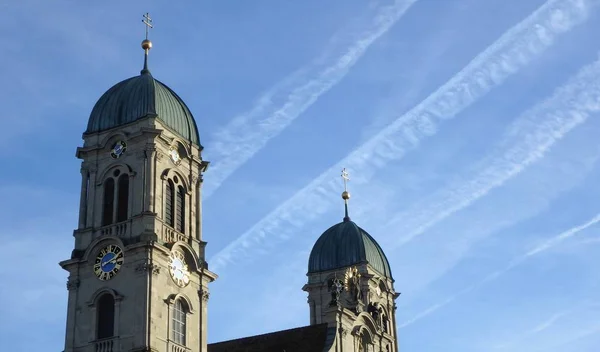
174, 154
118, 149
179, 269
108, 262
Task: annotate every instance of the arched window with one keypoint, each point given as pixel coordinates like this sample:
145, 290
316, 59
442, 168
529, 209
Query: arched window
385, 323
169, 204
175, 207
108, 203
115, 203
180, 209
178, 322
365, 341
123, 198
105, 311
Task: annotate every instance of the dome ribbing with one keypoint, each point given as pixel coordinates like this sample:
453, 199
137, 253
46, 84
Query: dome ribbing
139, 97
347, 244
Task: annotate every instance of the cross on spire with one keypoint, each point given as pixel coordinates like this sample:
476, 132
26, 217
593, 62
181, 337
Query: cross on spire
346, 178
148, 22
345, 194
146, 43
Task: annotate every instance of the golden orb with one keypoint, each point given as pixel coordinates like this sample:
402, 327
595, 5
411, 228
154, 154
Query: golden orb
146, 44
346, 195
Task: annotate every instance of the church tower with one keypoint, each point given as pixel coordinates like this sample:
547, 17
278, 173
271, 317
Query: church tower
351, 289
138, 278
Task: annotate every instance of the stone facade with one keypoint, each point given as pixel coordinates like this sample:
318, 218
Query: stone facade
143, 290
360, 303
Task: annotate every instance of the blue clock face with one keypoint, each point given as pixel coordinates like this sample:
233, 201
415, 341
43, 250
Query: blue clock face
118, 149
108, 262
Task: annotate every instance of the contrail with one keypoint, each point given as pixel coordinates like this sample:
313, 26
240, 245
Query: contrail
537, 130
554, 241
244, 136
548, 323
512, 51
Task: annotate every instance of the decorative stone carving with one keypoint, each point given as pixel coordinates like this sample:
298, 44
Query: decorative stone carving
342, 331
335, 287
73, 283
194, 180
159, 156
375, 310
145, 267
204, 294
354, 292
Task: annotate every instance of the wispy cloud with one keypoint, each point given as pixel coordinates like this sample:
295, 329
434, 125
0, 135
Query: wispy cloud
563, 327
552, 242
246, 134
548, 323
527, 141
512, 51
582, 334
544, 325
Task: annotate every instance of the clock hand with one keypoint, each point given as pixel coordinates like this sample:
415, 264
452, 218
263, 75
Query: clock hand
114, 259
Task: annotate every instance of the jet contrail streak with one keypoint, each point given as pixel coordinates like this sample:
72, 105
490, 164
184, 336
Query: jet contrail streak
244, 136
512, 51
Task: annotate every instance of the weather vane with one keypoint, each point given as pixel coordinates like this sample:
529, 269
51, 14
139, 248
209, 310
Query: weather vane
345, 194
148, 22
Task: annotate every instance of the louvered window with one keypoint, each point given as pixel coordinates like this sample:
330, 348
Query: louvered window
169, 211
105, 311
180, 209
108, 201
123, 198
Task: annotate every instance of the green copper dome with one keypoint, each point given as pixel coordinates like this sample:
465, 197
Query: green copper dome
346, 244
138, 97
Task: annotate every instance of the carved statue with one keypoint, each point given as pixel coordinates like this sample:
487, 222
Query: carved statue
336, 289
376, 312
352, 284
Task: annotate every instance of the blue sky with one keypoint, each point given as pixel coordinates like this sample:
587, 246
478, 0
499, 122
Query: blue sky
469, 128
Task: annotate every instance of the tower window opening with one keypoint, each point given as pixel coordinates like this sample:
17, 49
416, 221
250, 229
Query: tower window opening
115, 204
108, 202
175, 207
105, 317
180, 209
178, 331
123, 198
385, 323
169, 206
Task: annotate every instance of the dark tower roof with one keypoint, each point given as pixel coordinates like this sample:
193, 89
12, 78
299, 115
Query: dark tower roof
138, 97
347, 244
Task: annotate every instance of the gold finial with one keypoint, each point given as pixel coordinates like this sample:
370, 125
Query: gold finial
345, 194
146, 43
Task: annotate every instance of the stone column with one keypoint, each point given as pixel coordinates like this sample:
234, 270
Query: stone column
91, 197
197, 184
83, 198
73, 288
203, 325
152, 158
395, 331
